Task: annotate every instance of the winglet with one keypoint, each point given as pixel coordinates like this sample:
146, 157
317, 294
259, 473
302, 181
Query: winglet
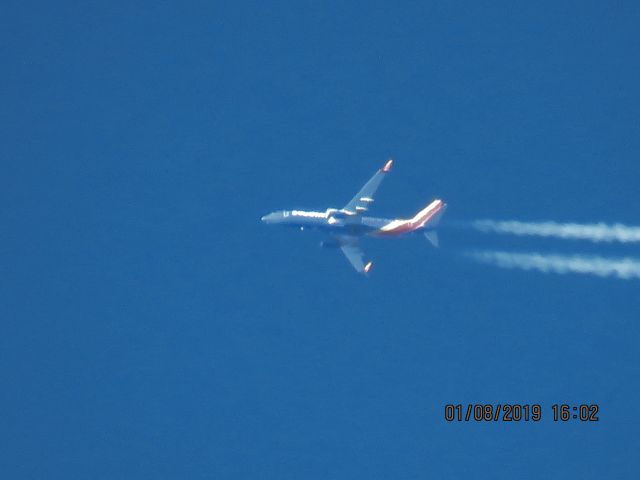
387, 166
367, 267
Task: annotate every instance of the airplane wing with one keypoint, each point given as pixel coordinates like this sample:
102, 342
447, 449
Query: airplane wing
364, 197
354, 254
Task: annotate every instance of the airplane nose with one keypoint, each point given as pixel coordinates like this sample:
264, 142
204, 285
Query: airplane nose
270, 217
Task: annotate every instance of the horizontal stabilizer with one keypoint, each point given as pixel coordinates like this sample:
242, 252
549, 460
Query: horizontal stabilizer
432, 236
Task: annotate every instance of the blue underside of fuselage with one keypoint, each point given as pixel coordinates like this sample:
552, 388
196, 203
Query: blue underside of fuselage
367, 226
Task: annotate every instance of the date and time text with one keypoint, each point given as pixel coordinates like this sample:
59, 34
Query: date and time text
558, 412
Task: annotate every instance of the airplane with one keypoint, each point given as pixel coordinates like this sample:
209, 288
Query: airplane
345, 226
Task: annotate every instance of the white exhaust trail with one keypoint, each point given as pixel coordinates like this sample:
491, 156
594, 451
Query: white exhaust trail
622, 268
595, 232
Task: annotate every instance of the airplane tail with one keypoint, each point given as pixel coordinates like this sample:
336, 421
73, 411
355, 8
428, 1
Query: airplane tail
430, 215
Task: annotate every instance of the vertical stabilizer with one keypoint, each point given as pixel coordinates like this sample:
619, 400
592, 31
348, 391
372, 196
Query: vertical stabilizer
430, 214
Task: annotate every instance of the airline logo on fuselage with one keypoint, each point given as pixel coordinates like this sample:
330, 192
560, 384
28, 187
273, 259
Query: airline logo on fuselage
302, 213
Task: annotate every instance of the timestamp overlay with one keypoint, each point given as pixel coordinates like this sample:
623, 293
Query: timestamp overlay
521, 412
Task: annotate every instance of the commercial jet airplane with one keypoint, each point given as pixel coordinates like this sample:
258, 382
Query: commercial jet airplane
347, 225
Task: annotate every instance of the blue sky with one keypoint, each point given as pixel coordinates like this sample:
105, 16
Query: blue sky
153, 328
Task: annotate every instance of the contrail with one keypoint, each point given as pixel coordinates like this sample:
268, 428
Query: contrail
595, 232
623, 268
